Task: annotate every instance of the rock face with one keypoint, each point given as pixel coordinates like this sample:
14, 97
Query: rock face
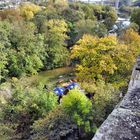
124, 122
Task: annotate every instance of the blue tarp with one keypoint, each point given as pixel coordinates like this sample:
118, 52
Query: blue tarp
72, 85
59, 91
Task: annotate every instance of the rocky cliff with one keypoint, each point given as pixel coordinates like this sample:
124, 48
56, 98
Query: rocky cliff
124, 122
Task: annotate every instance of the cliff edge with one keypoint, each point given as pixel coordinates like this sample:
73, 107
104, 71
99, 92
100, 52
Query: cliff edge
124, 122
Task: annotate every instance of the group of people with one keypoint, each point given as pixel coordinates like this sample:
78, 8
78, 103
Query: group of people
66, 87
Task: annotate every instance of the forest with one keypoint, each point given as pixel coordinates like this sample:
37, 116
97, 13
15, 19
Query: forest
57, 34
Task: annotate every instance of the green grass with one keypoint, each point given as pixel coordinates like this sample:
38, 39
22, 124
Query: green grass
49, 77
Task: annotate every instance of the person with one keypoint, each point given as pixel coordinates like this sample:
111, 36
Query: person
59, 91
89, 95
66, 91
59, 99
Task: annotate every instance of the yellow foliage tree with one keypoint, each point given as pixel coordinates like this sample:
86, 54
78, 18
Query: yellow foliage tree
102, 59
28, 10
62, 3
132, 38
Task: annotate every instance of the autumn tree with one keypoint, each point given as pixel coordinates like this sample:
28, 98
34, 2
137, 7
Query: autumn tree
58, 1
29, 10
102, 59
10, 14
132, 38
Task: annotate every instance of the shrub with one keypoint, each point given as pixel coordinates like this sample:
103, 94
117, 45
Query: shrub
105, 99
6, 131
26, 106
89, 87
79, 108
55, 126
73, 119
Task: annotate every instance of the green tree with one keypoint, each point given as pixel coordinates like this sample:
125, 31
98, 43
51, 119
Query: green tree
72, 15
88, 11
56, 43
109, 16
6, 131
3, 63
90, 27
5, 30
27, 51
134, 16
105, 99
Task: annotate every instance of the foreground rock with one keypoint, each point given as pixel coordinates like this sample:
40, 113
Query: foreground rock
124, 122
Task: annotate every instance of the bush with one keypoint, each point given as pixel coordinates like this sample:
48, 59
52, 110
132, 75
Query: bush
79, 108
6, 131
89, 87
105, 99
55, 126
26, 106
73, 119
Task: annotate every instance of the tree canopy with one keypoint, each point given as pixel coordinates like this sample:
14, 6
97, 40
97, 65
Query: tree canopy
47, 35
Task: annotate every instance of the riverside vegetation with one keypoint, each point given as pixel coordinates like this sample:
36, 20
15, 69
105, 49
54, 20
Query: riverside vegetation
34, 38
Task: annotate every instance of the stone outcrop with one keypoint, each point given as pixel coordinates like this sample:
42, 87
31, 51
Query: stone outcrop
124, 122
